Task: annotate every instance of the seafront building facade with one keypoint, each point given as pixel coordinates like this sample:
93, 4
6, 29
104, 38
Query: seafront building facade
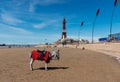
111, 38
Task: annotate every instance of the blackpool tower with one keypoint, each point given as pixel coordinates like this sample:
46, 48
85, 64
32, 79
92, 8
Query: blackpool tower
64, 34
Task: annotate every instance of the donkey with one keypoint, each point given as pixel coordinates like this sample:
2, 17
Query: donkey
44, 55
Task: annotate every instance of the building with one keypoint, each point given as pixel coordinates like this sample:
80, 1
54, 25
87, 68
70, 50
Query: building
112, 37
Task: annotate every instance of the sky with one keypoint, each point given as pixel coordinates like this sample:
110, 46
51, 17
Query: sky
40, 21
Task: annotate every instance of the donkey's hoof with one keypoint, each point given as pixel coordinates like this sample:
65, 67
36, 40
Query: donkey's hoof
46, 69
31, 69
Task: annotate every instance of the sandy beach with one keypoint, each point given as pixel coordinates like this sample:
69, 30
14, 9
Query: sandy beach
75, 65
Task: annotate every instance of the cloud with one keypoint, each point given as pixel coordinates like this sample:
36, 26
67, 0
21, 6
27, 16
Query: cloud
7, 18
49, 2
4, 35
45, 24
42, 25
13, 29
14, 5
20, 30
31, 7
33, 3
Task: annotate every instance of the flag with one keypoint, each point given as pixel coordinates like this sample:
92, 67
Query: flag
115, 3
82, 23
98, 11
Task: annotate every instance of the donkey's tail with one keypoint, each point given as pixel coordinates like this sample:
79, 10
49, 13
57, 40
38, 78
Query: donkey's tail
30, 55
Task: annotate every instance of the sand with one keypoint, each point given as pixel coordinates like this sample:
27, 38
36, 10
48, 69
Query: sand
75, 65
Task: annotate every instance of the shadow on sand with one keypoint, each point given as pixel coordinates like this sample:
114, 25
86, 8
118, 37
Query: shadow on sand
51, 68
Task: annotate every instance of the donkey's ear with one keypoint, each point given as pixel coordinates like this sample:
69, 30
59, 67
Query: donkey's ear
58, 50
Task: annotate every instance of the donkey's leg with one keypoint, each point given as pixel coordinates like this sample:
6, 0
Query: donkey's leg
46, 66
31, 64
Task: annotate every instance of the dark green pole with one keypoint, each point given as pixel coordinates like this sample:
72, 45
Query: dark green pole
97, 13
115, 4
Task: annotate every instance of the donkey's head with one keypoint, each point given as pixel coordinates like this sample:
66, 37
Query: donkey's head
55, 54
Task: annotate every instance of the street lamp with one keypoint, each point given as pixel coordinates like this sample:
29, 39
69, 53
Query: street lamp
115, 4
82, 23
97, 13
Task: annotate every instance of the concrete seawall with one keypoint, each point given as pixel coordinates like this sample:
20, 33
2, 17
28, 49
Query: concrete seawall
112, 49
107, 48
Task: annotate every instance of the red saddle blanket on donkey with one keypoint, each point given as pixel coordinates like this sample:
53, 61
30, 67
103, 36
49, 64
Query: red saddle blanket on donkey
35, 55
